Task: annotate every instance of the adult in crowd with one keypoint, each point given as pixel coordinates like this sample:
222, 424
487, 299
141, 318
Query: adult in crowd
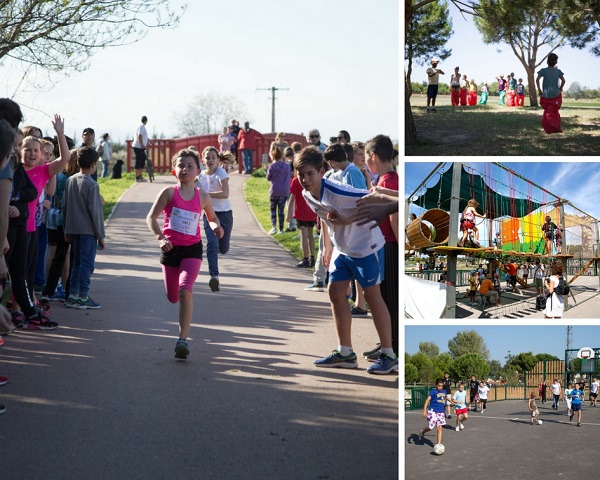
314, 138
554, 303
343, 137
247, 143
104, 150
141, 142
279, 142
234, 129
433, 79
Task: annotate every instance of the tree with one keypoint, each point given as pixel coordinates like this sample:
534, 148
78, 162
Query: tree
442, 364
424, 366
575, 91
579, 20
496, 369
466, 342
209, 114
411, 374
522, 362
531, 27
429, 29
470, 364
540, 357
464, 6
429, 348
61, 35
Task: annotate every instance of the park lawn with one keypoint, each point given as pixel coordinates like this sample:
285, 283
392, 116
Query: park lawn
491, 130
256, 192
112, 189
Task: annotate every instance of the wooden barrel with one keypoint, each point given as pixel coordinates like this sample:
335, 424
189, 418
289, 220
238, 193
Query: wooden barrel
419, 234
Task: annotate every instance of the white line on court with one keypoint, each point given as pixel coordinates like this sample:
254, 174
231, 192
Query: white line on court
515, 419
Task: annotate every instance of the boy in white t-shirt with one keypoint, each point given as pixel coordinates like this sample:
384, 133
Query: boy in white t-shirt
594, 387
350, 252
483, 392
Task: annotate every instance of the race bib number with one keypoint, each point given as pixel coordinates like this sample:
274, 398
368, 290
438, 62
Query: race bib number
184, 221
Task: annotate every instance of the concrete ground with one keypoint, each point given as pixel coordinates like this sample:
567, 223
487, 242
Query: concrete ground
501, 444
102, 397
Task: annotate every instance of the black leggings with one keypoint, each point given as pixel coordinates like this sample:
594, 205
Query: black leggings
16, 260
389, 288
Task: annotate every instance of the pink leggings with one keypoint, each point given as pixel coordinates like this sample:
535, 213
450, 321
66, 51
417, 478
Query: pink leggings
181, 278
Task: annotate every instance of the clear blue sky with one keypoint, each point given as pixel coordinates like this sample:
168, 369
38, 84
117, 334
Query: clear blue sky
575, 181
485, 63
339, 59
500, 339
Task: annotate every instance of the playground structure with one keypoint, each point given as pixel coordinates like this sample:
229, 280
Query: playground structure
515, 209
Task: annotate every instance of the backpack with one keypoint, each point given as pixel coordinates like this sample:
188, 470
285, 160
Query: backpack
563, 287
100, 148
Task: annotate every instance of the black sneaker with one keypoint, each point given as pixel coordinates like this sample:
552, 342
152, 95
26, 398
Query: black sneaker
311, 262
375, 351
213, 283
303, 264
181, 349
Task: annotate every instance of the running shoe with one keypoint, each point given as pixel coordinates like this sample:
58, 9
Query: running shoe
273, 231
213, 283
181, 349
384, 365
376, 351
2, 409
303, 264
3, 380
38, 322
358, 312
59, 295
88, 303
336, 359
17, 318
72, 302
315, 287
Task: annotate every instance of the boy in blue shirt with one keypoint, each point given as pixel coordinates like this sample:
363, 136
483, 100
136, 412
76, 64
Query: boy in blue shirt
436, 418
576, 401
520, 89
351, 251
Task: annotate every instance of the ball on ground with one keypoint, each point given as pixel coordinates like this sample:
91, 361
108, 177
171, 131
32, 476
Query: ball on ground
539, 422
439, 449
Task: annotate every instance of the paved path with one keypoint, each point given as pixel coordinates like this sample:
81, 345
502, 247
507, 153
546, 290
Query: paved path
102, 397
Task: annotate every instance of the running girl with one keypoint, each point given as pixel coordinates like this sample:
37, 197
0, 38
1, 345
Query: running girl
180, 240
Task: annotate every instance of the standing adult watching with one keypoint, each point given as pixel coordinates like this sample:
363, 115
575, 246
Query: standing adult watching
234, 129
247, 138
105, 151
314, 138
140, 144
433, 77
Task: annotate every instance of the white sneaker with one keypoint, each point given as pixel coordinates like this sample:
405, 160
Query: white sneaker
273, 231
462, 427
457, 429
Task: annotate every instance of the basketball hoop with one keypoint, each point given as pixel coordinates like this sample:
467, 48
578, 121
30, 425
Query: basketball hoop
585, 353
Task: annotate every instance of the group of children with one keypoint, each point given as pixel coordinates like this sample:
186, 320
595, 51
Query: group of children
464, 92
573, 397
29, 165
511, 93
324, 188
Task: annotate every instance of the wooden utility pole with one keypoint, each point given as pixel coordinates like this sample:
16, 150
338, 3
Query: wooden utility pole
273, 90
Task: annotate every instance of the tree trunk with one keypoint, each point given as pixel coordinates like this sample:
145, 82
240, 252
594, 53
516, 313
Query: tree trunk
410, 129
408, 74
533, 100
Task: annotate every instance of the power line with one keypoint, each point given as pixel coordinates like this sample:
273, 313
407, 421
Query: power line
273, 90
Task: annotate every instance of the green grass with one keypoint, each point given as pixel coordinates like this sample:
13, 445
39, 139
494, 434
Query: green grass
256, 192
508, 131
112, 190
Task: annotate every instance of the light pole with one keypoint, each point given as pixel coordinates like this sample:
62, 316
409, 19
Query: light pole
273, 90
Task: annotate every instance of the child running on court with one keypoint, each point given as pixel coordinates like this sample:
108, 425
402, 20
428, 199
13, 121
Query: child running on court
215, 181
467, 221
435, 414
351, 251
459, 400
576, 401
533, 408
567, 397
180, 239
483, 394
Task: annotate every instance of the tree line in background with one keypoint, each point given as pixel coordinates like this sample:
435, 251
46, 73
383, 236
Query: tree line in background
575, 90
467, 355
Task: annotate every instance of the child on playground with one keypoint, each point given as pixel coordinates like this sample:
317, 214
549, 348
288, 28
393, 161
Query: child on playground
567, 398
467, 221
180, 240
576, 400
214, 180
473, 282
551, 94
278, 175
558, 236
435, 413
533, 408
459, 400
83, 227
549, 228
483, 394
351, 251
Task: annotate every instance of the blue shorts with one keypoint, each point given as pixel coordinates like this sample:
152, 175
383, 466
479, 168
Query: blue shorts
576, 407
432, 91
368, 271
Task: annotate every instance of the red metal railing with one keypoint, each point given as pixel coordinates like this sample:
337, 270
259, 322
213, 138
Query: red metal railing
161, 151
